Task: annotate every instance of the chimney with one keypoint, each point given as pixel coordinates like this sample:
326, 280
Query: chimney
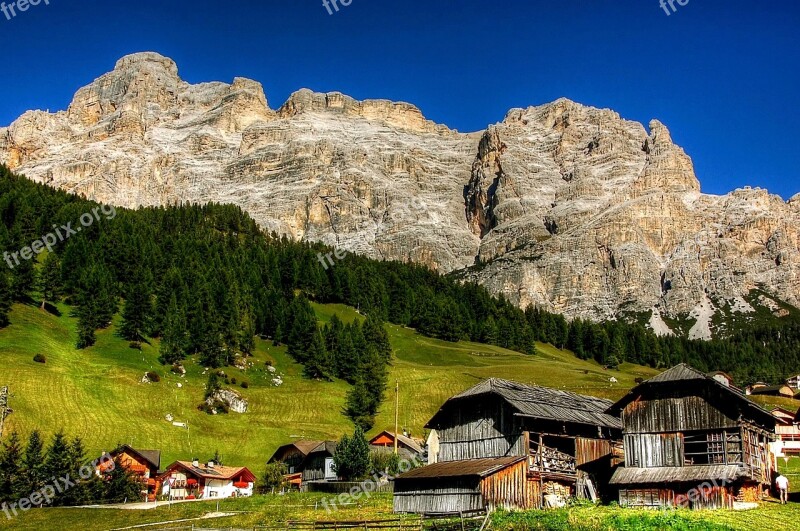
196, 462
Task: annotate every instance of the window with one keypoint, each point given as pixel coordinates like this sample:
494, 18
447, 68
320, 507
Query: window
712, 447
640, 498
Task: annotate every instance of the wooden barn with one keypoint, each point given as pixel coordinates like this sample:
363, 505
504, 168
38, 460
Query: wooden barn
692, 441
312, 460
567, 442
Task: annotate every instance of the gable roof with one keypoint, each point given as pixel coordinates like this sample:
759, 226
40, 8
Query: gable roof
541, 403
219, 472
152, 457
408, 441
685, 374
306, 447
479, 468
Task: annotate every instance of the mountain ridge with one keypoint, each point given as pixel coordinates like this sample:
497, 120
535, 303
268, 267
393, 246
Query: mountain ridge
563, 206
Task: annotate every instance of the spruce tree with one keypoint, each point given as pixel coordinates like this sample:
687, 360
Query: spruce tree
318, 364
10, 469
33, 467
5, 299
58, 461
50, 280
136, 313
376, 336
173, 341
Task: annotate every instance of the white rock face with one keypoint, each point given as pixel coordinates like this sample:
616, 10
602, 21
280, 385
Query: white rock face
564, 206
231, 399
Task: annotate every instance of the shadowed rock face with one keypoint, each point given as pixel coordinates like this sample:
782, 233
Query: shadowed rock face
564, 206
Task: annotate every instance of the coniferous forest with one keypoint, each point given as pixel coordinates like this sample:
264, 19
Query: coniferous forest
206, 280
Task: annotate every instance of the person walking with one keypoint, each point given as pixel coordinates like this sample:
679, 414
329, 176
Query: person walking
783, 487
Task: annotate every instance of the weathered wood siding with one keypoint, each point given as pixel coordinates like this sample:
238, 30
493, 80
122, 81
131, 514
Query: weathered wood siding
699, 497
591, 450
484, 428
666, 414
644, 450
445, 495
511, 489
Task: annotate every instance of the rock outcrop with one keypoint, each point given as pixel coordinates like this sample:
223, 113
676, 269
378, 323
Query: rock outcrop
563, 206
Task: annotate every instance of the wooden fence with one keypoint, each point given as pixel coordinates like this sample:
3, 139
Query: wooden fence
465, 522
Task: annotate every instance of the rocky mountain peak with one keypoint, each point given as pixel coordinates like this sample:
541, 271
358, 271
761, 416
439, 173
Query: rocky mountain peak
564, 206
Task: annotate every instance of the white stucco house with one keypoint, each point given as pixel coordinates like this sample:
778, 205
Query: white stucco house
185, 480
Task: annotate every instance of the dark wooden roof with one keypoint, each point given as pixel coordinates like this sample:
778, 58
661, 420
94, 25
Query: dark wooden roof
685, 374
152, 457
306, 448
676, 474
541, 403
479, 468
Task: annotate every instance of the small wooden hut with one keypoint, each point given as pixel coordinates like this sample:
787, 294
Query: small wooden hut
466, 486
692, 441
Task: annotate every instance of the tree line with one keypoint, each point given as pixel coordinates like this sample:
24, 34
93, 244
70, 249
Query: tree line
27, 469
206, 280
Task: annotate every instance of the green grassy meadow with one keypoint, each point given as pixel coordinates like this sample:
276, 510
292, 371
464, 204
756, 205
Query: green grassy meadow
97, 393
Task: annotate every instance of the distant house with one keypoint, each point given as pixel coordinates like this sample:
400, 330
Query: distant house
692, 441
794, 382
506, 444
771, 390
722, 377
787, 433
144, 464
313, 460
407, 447
184, 480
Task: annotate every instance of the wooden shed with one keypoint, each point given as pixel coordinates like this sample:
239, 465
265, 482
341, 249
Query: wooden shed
466, 486
568, 442
692, 441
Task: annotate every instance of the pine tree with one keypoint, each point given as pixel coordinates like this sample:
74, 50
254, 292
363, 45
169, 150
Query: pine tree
58, 461
50, 280
318, 364
302, 329
375, 335
33, 468
173, 341
136, 313
359, 405
122, 486
10, 469
5, 299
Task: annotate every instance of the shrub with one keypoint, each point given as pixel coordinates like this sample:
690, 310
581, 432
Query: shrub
233, 381
273, 479
39, 358
245, 385
153, 377
351, 458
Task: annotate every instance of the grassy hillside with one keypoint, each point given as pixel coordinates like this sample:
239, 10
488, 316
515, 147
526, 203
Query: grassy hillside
97, 393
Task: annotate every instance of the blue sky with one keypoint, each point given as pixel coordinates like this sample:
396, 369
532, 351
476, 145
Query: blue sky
721, 74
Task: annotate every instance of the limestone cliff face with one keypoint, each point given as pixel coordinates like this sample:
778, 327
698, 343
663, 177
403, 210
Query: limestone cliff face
563, 206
